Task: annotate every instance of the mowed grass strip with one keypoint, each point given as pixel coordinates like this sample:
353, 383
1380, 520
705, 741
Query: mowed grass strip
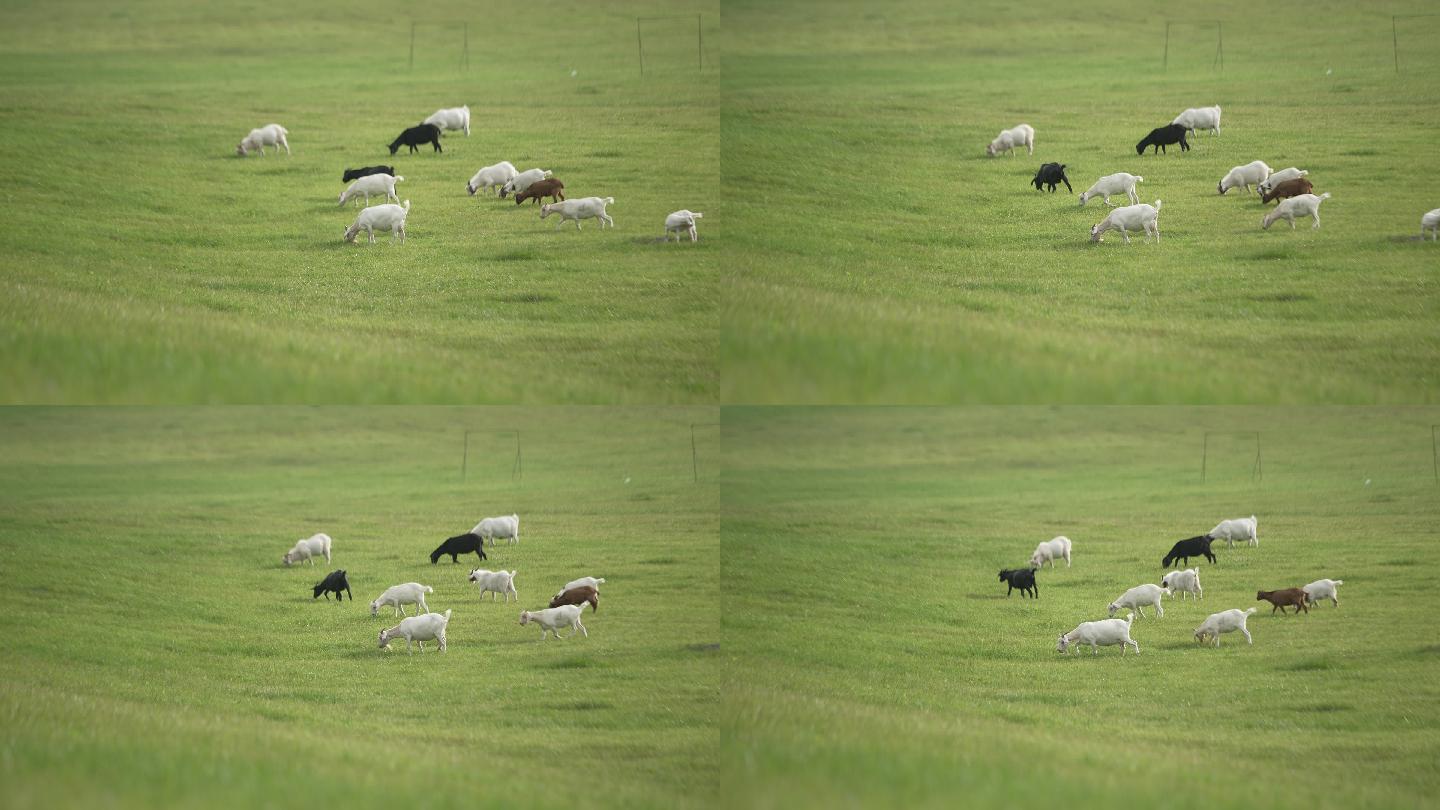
169, 659
881, 257
861, 551
147, 263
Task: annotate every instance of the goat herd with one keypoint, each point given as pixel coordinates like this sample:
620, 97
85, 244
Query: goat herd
425, 625
533, 184
1112, 631
1287, 185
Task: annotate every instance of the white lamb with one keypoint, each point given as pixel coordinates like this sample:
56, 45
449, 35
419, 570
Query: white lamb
380, 185
1276, 178
1118, 183
580, 208
1049, 550
397, 596
1301, 205
682, 221
1103, 633
1130, 218
1430, 222
1022, 135
1236, 529
387, 217
491, 177
268, 135
1251, 174
308, 549
505, 527
495, 582
420, 629
1197, 118
1226, 621
1323, 589
1139, 596
552, 619
451, 118
523, 180
1183, 582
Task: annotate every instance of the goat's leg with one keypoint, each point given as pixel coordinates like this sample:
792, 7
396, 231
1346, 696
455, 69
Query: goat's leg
1125, 234
1316, 215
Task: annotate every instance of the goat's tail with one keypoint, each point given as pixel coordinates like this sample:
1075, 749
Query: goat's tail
609, 200
429, 589
696, 215
447, 615
1325, 196
1157, 205
1139, 179
398, 178
1248, 611
512, 574
407, 206
1339, 582
601, 580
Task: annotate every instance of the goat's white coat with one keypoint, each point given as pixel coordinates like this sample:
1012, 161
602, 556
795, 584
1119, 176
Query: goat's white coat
378, 185
1117, 183
505, 527
1251, 174
309, 548
1197, 118
1102, 633
451, 118
523, 180
1130, 218
1139, 596
1323, 589
1236, 529
1183, 582
680, 222
492, 177
1276, 178
582, 582
580, 208
1020, 135
268, 135
1049, 550
1301, 205
1226, 621
420, 629
397, 596
388, 217
1430, 222
496, 582
552, 619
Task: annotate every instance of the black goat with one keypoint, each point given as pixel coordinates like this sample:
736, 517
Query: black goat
356, 174
457, 545
1022, 578
1051, 173
414, 136
1162, 136
334, 582
1192, 547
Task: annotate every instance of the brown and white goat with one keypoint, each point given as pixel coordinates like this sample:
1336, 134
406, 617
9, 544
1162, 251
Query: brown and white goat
1289, 188
1294, 597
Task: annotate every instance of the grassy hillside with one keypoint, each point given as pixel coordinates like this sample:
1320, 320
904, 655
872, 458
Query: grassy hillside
147, 263
161, 655
881, 257
862, 547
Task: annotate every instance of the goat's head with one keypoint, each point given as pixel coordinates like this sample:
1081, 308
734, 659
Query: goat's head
470, 187
525, 617
384, 639
544, 210
991, 150
1095, 233
394, 147
1062, 644
350, 233
1114, 607
240, 150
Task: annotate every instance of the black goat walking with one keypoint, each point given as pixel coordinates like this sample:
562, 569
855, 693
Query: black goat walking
1022, 579
1051, 173
334, 582
1160, 137
457, 545
414, 136
1191, 547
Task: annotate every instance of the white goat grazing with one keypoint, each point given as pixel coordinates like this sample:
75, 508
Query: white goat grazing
451, 118
420, 629
1049, 550
1118, 183
1104, 633
1139, 596
505, 527
1430, 222
491, 177
1022, 135
552, 619
380, 185
1130, 218
308, 549
682, 221
1251, 174
397, 596
1323, 589
578, 209
523, 180
268, 135
1236, 529
1184, 582
496, 582
1276, 178
1226, 621
387, 217
1301, 205
1197, 118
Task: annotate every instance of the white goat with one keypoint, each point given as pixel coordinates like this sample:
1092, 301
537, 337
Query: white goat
491, 177
505, 527
523, 180
582, 582
308, 549
268, 135
397, 596
1323, 589
1049, 550
1130, 218
380, 185
1197, 118
1184, 582
451, 118
1022, 135
1236, 529
552, 619
1430, 222
1226, 621
1118, 183
682, 221
578, 209
1301, 205
1104, 633
1253, 173
1276, 178
420, 629
387, 217
1139, 596
497, 582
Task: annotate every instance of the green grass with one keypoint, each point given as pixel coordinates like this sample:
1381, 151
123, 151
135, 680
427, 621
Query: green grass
160, 655
147, 263
861, 550
878, 256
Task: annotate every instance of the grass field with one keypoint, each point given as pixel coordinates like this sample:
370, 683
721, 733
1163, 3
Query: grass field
147, 263
159, 654
861, 550
878, 256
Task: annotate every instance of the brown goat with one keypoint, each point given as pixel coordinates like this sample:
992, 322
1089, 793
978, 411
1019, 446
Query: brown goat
583, 594
1289, 188
1290, 596
549, 187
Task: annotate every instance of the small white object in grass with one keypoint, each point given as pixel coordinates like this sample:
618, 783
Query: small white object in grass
627, 480
1328, 71
1367, 481
574, 73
